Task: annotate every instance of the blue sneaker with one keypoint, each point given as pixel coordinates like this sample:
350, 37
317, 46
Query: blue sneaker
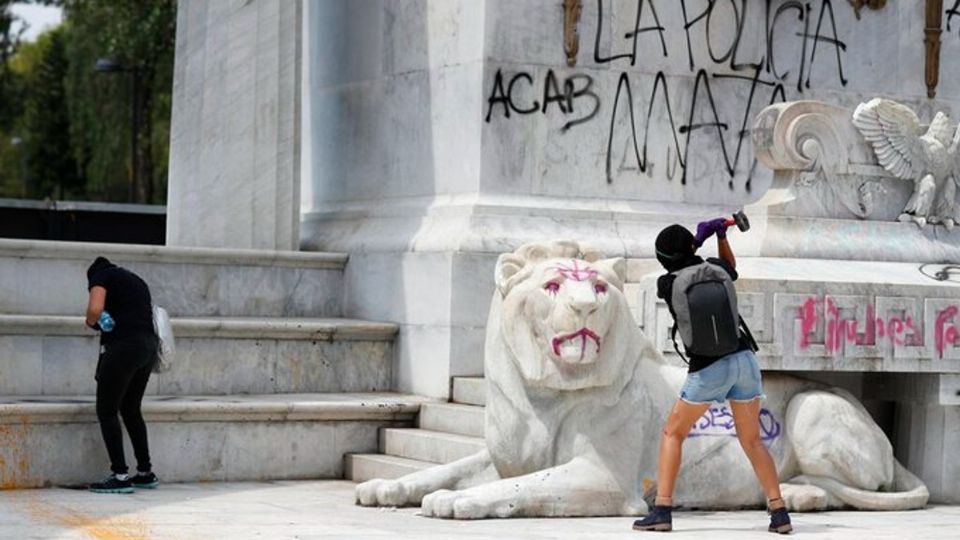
780, 521
660, 519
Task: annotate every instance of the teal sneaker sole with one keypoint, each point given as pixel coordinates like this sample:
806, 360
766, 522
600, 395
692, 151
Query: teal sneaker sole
151, 485
114, 490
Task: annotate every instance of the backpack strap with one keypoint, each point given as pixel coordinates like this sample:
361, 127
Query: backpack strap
747, 334
673, 337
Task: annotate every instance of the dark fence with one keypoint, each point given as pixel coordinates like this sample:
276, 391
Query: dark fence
83, 221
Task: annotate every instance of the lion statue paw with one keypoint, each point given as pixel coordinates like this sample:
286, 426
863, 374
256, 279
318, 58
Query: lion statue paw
378, 492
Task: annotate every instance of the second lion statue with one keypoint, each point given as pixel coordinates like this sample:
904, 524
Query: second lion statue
577, 397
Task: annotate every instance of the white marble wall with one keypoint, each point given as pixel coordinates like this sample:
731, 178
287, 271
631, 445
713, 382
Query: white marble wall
384, 78
926, 439
532, 153
404, 95
235, 130
64, 365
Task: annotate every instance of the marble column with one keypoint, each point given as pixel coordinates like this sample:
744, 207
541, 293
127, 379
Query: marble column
235, 135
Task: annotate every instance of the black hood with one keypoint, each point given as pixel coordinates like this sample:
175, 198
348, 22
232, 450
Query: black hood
99, 265
675, 247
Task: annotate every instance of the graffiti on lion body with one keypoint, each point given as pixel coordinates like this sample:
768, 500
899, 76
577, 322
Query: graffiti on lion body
719, 422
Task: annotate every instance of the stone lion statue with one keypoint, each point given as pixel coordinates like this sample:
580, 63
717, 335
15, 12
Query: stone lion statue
577, 398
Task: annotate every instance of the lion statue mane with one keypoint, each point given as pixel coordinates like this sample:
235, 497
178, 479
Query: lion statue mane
577, 397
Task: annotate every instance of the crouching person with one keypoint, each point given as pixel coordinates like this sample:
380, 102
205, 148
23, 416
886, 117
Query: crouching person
120, 308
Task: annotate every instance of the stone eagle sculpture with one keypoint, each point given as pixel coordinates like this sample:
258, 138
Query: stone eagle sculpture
577, 397
929, 159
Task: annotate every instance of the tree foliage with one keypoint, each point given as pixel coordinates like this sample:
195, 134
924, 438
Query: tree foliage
50, 166
9, 39
10, 162
66, 107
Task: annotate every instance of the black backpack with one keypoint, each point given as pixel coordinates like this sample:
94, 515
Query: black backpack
705, 312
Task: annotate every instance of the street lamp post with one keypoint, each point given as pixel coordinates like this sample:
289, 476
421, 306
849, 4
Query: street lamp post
108, 65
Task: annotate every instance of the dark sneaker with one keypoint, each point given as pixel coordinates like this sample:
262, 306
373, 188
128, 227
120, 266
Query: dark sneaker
145, 481
780, 521
112, 484
660, 519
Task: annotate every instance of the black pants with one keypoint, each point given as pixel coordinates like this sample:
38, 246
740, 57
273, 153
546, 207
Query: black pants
122, 375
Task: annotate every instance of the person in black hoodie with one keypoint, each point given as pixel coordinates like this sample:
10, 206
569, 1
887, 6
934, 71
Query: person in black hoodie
735, 377
128, 353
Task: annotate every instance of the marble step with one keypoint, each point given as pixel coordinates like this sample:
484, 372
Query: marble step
452, 418
49, 441
363, 467
51, 355
470, 390
42, 277
426, 445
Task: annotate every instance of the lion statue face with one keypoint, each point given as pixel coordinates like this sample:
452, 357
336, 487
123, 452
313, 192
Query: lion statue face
563, 318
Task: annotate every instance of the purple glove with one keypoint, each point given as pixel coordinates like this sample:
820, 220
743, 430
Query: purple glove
709, 227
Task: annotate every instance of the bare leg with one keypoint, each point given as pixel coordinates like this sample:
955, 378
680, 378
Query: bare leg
681, 420
746, 417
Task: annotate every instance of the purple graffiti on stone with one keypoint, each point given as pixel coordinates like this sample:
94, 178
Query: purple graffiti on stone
718, 422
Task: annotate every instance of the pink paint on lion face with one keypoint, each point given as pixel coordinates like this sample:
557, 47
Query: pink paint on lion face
575, 273
583, 334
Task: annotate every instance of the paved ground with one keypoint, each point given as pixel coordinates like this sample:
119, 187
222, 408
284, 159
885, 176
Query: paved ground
325, 510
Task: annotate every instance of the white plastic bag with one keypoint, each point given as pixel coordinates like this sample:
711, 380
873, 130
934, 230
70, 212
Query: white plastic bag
164, 330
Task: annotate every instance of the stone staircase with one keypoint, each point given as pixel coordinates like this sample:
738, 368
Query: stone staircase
269, 380
445, 432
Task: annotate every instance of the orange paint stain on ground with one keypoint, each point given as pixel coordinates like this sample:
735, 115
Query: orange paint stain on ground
110, 528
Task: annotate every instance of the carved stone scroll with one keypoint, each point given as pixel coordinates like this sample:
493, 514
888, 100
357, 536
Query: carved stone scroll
835, 163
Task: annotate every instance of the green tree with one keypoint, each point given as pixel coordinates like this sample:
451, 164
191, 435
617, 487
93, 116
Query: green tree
11, 163
139, 36
75, 122
9, 39
50, 164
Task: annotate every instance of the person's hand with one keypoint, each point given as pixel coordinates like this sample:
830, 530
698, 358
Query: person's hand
721, 225
707, 228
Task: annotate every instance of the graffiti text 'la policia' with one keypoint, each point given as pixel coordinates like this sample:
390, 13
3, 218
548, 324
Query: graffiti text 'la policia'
715, 55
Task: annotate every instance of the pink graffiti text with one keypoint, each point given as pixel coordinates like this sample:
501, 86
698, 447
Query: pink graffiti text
840, 331
575, 272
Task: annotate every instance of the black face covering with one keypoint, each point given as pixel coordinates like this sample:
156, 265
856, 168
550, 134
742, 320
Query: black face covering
674, 247
99, 265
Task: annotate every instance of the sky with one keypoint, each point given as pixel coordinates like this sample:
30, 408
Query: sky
38, 18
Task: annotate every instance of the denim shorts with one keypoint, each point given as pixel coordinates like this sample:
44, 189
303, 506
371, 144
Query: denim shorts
735, 377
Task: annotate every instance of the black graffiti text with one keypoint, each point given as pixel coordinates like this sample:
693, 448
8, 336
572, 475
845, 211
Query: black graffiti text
575, 97
702, 96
